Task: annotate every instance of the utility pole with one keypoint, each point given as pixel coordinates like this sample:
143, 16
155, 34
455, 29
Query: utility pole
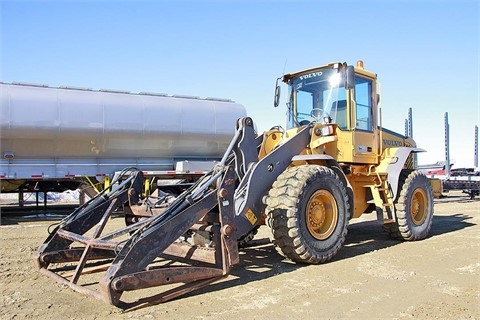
409, 132
447, 146
475, 153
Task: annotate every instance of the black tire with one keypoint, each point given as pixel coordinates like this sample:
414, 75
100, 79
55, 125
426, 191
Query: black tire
307, 212
414, 207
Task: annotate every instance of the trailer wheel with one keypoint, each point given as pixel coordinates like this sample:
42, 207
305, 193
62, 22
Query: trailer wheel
414, 207
307, 212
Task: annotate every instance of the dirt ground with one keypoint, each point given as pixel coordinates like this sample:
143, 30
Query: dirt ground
372, 277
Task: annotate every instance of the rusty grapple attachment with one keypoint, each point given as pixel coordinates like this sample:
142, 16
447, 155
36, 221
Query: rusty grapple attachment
146, 253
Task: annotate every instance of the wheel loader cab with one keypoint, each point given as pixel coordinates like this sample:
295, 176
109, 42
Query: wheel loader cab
342, 95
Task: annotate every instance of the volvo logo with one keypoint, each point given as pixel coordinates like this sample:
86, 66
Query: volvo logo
392, 143
311, 75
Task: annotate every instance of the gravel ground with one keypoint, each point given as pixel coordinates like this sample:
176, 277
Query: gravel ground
372, 277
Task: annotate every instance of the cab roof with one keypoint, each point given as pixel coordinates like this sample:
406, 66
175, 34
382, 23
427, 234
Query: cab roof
358, 69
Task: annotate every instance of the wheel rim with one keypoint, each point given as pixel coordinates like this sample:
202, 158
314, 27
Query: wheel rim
321, 214
418, 206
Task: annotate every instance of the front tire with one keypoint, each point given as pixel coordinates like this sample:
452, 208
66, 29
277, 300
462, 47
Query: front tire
307, 212
414, 207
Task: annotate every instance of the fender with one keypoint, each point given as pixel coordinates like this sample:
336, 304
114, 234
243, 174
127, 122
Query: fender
393, 162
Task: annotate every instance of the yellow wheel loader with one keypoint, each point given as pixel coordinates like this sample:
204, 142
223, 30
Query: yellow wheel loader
332, 163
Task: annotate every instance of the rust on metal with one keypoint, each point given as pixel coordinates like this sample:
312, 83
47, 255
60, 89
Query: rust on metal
132, 263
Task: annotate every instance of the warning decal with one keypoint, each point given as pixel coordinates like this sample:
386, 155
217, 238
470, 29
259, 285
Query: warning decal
251, 216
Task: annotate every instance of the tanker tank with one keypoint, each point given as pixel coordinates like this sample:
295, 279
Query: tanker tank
53, 133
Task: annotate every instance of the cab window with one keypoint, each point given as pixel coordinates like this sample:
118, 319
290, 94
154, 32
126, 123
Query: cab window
363, 102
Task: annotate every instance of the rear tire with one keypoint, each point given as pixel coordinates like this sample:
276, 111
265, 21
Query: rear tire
414, 207
307, 212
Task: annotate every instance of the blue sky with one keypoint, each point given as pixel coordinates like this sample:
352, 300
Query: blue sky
426, 53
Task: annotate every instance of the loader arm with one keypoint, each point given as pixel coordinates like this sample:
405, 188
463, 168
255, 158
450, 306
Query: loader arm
259, 178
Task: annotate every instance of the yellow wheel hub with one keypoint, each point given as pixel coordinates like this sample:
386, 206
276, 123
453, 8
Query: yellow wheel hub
418, 206
321, 214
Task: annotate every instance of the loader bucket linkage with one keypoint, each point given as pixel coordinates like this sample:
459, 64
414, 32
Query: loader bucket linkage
149, 252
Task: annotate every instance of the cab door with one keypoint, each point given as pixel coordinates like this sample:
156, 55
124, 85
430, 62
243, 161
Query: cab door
364, 121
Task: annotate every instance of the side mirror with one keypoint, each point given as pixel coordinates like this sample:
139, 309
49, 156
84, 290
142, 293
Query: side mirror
349, 77
276, 99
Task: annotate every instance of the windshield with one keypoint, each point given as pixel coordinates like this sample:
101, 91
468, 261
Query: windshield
318, 96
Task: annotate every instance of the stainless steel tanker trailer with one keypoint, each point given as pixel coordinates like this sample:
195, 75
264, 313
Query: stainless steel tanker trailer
55, 139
